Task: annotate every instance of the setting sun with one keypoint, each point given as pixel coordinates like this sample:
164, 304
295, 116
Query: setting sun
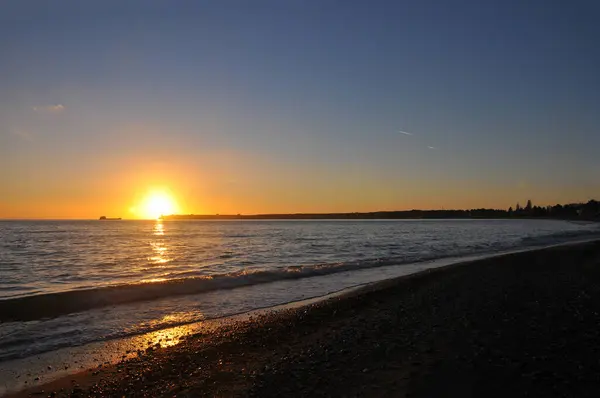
157, 204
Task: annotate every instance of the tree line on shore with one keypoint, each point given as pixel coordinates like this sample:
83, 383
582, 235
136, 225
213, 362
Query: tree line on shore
583, 211
588, 210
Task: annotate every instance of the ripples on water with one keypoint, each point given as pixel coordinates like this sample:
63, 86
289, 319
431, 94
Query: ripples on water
54, 257
50, 256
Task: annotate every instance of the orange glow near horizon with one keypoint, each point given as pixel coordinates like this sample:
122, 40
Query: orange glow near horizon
137, 186
156, 204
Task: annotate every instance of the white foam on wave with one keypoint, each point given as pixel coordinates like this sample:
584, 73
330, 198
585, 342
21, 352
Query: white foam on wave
67, 359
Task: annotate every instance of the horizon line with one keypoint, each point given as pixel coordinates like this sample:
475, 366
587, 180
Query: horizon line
278, 214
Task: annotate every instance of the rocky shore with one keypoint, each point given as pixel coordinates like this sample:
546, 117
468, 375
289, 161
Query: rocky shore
525, 324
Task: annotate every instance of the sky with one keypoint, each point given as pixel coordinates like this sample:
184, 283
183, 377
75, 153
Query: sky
296, 106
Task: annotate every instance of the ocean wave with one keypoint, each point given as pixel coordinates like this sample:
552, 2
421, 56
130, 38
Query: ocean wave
60, 303
49, 305
559, 237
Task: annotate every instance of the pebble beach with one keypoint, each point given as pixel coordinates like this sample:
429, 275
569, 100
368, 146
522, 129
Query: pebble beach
523, 324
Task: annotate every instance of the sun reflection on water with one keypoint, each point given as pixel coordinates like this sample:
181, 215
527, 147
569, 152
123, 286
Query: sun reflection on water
159, 228
167, 337
174, 335
153, 280
159, 248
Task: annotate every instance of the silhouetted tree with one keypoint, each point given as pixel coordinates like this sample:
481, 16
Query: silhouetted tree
589, 210
557, 210
538, 211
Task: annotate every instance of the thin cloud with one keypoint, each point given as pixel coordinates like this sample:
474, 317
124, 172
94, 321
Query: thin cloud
405, 132
49, 108
22, 134
431, 147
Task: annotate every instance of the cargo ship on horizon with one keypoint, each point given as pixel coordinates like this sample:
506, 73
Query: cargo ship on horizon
104, 218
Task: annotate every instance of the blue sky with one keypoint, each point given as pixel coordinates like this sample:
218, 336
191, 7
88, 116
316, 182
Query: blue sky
260, 106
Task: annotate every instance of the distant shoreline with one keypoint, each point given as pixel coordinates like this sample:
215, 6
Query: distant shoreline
385, 215
589, 211
415, 214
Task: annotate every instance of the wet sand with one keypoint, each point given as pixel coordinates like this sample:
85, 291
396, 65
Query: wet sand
524, 324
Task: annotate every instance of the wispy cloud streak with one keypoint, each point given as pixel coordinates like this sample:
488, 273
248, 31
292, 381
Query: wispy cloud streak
405, 132
23, 134
49, 108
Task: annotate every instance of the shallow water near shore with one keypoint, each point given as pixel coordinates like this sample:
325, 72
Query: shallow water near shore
235, 266
19, 374
35, 370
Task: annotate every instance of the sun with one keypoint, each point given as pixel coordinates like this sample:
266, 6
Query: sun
157, 204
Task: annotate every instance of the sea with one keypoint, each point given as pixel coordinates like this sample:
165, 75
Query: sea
72, 283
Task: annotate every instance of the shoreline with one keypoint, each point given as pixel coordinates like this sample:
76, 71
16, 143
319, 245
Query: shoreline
253, 324
46, 367
66, 362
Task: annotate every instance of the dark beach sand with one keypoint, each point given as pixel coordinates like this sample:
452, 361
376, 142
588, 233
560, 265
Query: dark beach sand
525, 324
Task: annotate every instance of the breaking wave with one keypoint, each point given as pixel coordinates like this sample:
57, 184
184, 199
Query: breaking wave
60, 303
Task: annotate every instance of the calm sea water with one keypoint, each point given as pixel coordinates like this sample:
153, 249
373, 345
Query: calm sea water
224, 267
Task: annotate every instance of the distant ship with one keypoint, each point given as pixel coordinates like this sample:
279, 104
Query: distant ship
104, 218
